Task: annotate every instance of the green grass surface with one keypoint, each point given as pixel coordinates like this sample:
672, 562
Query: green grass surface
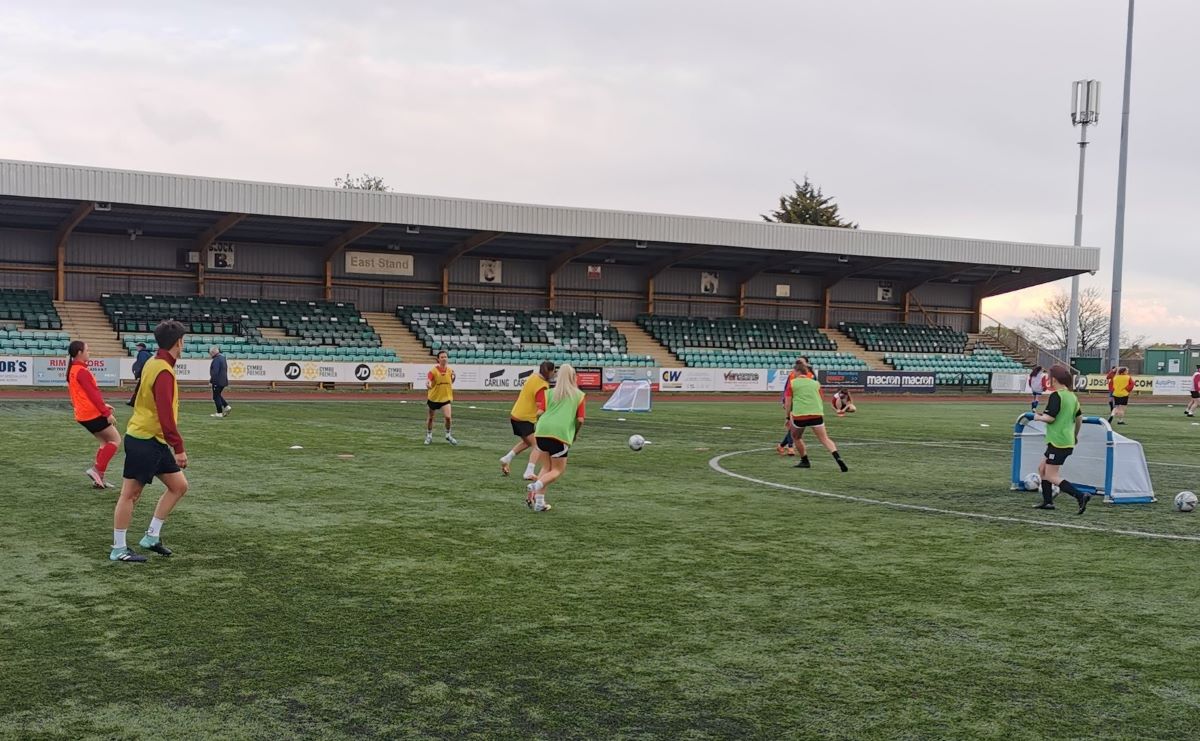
407, 592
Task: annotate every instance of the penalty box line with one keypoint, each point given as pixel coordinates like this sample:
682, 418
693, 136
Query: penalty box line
715, 464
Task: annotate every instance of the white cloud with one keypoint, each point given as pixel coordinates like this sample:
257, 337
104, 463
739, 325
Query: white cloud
936, 116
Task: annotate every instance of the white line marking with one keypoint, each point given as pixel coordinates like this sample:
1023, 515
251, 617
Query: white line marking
715, 464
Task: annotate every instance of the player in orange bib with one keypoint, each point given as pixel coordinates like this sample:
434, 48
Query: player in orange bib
440, 395
91, 411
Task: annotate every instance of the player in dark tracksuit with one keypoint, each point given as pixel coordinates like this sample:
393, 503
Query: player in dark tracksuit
218, 376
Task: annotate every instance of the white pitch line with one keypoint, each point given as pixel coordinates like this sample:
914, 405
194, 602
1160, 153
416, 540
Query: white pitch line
715, 464
973, 446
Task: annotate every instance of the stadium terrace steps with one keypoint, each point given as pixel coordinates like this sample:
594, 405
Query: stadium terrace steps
273, 333
988, 342
398, 337
641, 343
846, 344
84, 320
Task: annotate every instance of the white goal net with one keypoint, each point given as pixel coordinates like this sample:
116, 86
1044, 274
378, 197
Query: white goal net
630, 396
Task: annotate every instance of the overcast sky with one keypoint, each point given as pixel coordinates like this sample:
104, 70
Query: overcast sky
937, 116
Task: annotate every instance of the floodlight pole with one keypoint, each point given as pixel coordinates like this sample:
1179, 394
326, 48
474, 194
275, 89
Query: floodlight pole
1085, 111
1114, 326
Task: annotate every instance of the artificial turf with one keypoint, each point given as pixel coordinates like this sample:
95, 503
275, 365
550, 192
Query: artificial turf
407, 591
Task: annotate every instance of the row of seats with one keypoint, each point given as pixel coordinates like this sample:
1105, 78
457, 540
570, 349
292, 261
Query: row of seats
197, 346
573, 336
316, 330
33, 307
981, 361
820, 359
534, 356
733, 333
905, 337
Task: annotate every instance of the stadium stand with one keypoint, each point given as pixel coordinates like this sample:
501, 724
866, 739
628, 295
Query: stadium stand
971, 370
911, 338
34, 308
311, 330
30, 325
502, 336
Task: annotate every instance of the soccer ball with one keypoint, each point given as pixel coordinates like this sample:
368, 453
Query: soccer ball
636, 442
1185, 501
1032, 482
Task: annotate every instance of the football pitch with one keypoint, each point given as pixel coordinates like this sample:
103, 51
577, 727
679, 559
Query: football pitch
700, 588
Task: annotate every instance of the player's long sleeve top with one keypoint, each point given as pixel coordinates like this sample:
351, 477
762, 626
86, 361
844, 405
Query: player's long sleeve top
87, 384
164, 404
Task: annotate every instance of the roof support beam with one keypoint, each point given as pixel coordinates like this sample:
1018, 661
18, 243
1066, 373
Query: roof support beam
906, 288
828, 281
336, 245
61, 235
206, 239
656, 268
559, 261
472, 242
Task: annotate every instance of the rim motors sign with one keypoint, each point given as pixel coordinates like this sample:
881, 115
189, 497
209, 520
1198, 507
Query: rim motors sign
53, 371
900, 382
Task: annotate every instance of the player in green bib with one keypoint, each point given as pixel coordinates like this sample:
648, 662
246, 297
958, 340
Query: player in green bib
802, 397
1063, 418
554, 434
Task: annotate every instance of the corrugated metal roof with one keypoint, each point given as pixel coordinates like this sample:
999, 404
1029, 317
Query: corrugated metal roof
43, 180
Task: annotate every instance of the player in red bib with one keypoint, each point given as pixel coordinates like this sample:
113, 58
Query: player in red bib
91, 411
1191, 407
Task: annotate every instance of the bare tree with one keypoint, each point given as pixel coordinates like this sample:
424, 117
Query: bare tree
1048, 325
362, 182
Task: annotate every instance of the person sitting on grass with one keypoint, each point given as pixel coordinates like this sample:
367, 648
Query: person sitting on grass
1063, 418
843, 403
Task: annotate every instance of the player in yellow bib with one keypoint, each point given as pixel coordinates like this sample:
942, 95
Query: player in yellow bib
153, 447
530, 405
439, 395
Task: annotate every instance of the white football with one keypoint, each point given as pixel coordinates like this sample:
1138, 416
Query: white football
636, 442
1032, 482
1185, 501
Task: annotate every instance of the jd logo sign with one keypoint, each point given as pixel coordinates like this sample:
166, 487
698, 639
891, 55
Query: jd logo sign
291, 371
362, 372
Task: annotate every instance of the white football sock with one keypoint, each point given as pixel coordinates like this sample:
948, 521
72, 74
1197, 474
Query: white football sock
508, 457
118, 538
529, 469
155, 527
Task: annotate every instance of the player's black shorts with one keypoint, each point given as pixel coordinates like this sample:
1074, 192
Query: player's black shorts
556, 448
1057, 456
521, 428
1196, 394
436, 405
808, 421
98, 424
1121, 401
145, 459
